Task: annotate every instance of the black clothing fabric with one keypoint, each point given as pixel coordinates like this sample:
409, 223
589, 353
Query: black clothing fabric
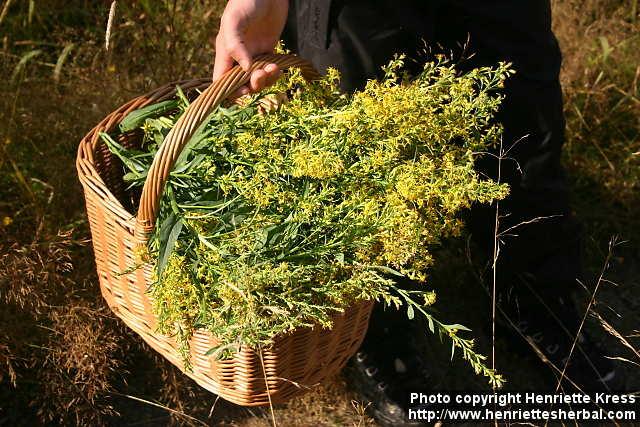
359, 36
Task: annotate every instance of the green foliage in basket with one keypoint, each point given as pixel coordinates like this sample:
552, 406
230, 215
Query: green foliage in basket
277, 221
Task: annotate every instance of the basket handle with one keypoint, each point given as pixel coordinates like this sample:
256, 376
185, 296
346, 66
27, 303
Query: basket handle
187, 124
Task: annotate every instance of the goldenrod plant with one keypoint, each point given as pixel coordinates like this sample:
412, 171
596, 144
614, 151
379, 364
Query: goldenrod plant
276, 221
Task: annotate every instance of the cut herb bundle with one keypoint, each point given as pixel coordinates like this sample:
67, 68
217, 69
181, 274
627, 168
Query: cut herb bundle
272, 222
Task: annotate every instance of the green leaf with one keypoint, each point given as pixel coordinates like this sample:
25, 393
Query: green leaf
431, 325
124, 154
458, 327
134, 176
388, 270
61, 60
276, 233
184, 101
23, 62
185, 167
410, 313
135, 119
168, 235
218, 351
199, 137
203, 204
206, 242
170, 193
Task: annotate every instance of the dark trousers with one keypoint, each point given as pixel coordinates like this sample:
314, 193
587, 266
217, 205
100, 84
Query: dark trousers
359, 36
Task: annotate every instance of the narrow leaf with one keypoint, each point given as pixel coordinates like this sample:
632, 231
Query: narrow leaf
136, 118
410, 313
169, 233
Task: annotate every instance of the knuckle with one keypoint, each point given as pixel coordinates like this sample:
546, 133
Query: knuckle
236, 50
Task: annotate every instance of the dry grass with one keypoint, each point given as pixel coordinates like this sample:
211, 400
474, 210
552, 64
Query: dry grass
328, 405
83, 355
62, 354
601, 78
64, 359
31, 274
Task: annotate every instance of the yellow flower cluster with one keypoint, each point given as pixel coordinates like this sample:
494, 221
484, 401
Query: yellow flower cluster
319, 164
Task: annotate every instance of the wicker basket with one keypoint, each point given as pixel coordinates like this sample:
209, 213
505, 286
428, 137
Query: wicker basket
295, 361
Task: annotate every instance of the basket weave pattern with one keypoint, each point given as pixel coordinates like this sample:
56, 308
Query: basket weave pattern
295, 361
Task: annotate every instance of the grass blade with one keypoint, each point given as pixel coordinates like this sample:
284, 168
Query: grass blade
61, 60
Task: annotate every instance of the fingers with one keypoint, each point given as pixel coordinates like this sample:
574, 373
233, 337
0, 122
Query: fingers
273, 74
264, 77
259, 80
233, 36
238, 51
230, 44
244, 90
229, 50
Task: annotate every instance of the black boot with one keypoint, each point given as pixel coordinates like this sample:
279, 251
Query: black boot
390, 364
547, 324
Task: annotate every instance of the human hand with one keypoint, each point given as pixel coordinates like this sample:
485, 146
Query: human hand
249, 28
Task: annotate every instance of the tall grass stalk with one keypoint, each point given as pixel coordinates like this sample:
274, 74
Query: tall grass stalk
112, 14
